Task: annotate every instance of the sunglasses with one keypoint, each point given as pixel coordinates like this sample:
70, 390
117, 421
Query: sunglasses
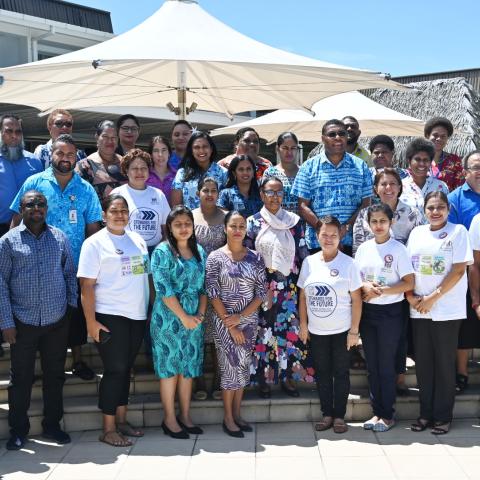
35, 204
61, 124
339, 133
273, 193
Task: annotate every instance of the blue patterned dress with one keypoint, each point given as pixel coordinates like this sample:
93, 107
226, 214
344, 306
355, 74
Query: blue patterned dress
236, 284
176, 350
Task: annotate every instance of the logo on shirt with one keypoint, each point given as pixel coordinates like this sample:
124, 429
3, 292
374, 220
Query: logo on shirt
334, 272
321, 299
145, 222
443, 235
388, 261
154, 201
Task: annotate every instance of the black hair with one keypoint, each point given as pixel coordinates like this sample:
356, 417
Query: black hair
333, 121
328, 220
10, 116
351, 118
436, 194
265, 180
159, 139
389, 171
127, 116
64, 138
109, 199
380, 207
384, 140
240, 133
420, 145
438, 122
182, 122
172, 241
101, 126
230, 214
205, 180
466, 158
191, 168
285, 136
34, 192
232, 179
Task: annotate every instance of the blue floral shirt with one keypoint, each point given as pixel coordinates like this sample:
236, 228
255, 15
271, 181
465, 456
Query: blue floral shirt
70, 210
44, 154
333, 190
290, 201
189, 189
232, 199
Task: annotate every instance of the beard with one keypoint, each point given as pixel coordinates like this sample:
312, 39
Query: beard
12, 153
63, 167
352, 140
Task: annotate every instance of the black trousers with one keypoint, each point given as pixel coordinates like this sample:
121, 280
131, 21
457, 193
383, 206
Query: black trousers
51, 341
331, 361
118, 356
381, 329
435, 357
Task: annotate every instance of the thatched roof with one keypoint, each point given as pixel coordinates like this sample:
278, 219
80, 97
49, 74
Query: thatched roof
453, 98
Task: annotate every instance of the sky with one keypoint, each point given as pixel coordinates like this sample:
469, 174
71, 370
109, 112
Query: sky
401, 38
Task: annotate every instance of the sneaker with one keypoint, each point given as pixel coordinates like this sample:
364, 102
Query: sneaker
383, 425
15, 442
370, 424
58, 435
83, 371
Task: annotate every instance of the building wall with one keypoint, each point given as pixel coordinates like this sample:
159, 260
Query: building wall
13, 50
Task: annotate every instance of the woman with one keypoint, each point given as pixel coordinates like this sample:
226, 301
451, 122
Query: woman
382, 148
440, 253
330, 307
241, 190
178, 267
128, 131
286, 168
419, 183
148, 206
388, 187
181, 133
210, 232
445, 166
113, 271
102, 168
161, 174
277, 235
386, 273
235, 281
247, 142
198, 162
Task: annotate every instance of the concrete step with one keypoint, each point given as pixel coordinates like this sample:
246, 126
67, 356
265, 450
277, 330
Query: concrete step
81, 413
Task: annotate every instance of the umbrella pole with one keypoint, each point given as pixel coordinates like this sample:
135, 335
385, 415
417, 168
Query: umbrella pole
182, 101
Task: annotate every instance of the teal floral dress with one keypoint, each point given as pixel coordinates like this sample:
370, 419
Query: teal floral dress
176, 350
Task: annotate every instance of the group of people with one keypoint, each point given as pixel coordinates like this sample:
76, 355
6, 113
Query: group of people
276, 271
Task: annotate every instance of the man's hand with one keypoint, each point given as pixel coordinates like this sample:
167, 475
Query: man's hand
10, 335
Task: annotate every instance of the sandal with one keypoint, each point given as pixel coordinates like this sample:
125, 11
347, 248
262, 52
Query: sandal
217, 395
441, 428
461, 383
114, 439
369, 424
129, 430
324, 424
339, 426
420, 425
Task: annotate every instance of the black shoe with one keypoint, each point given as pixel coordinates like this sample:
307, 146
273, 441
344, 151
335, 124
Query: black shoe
58, 435
182, 434
461, 383
83, 371
291, 392
15, 442
402, 390
2, 351
193, 430
264, 391
245, 427
232, 433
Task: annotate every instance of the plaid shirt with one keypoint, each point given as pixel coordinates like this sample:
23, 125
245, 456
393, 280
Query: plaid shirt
337, 191
37, 277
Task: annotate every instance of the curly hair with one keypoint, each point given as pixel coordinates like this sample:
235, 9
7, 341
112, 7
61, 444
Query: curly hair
131, 156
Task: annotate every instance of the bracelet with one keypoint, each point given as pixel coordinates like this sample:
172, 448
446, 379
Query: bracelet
201, 316
242, 317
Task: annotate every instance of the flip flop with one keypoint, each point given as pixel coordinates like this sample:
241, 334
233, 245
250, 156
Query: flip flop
129, 430
340, 427
441, 428
324, 424
420, 425
121, 442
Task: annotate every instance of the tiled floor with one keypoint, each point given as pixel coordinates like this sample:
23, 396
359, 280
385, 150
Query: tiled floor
272, 451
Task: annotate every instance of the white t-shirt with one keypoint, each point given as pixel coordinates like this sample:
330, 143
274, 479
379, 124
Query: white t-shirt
327, 287
474, 232
432, 255
385, 264
148, 211
121, 265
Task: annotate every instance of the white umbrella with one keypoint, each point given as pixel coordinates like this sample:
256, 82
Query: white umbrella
181, 53
373, 118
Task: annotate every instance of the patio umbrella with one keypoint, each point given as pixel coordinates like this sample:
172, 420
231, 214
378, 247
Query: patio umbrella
373, 118
181, 54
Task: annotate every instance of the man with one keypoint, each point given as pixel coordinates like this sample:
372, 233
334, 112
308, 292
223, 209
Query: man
353, 134
74, 209
37, 284
59, 122
332, 183
464, 205
16, 165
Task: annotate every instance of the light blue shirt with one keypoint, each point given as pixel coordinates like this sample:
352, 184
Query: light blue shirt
70, 210
333, 190
464, 205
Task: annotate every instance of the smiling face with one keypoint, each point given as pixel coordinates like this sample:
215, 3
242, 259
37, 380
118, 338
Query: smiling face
181, 227
272, 195
33, 208
128, 133
202, 152
353, 130
64, 158
380, 225
180, 136
208, 194
472, 172
107, 142
160, 155
439, 137
244, 173
420, 164
436, 211
236, 229
329, 238
335, 140
137, 173
249, 144
388, 189
116, 216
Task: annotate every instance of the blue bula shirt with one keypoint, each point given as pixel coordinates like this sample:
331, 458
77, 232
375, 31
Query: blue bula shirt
37, 277
464, 205
70, 210
12, 176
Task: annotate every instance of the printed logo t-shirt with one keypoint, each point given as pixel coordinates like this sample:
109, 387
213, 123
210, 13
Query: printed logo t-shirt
327, 287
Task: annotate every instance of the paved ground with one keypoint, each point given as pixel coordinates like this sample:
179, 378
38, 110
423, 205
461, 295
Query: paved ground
272, 451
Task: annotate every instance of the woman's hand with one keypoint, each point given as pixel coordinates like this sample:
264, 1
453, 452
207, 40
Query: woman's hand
371, 290
426, 303
303, 333
352, 340
190, 321
414, 300
237, 335
231, 320
94, 330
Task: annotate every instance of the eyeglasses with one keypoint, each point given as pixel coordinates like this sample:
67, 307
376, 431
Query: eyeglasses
273, 193
129, 129
476, 168
35, 204
60, 124
339, 133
